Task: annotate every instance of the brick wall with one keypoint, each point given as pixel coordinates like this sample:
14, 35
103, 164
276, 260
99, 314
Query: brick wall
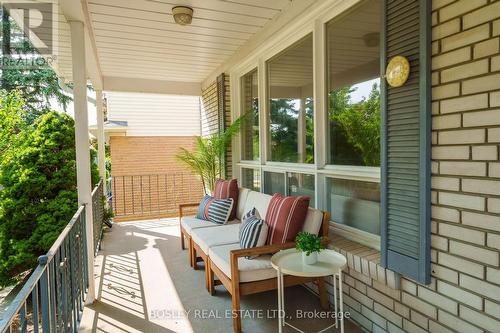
464, 295
210, 115
148, 181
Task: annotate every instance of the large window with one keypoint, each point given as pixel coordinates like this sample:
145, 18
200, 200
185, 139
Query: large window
353, 87
302, 184
355, 204
250, 128
348, 168
290, 84
274, 182
250, 179
353, 65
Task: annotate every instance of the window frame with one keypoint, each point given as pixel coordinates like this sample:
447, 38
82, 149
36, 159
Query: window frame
241, 103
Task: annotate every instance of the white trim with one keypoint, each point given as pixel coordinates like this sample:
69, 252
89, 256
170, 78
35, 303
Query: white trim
371, 174
112, 83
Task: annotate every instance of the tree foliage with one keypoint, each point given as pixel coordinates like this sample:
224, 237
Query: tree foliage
284, 130
37, 83
358, 123
38, 176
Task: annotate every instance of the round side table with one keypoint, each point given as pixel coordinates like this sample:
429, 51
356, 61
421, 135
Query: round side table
290, 262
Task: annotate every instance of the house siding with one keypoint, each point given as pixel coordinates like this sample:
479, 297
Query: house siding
155, 114
464, 293
210, 115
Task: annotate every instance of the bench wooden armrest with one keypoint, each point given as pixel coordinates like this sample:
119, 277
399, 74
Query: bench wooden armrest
186, 205
266, 249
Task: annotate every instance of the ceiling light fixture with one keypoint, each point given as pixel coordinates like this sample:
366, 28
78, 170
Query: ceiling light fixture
182, 15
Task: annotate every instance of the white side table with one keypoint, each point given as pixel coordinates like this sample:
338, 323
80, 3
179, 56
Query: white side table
290, 262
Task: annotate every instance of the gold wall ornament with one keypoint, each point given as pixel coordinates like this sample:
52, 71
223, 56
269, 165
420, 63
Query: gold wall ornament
397, 71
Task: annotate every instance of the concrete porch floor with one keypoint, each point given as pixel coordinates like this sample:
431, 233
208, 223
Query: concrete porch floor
144, 284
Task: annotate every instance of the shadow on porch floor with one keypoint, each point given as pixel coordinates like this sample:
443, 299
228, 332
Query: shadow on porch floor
144, 284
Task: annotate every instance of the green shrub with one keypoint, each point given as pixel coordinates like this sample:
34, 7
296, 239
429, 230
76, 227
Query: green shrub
39, 195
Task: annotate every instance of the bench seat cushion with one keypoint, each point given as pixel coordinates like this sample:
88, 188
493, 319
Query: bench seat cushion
190, 222
250, 269
222, 235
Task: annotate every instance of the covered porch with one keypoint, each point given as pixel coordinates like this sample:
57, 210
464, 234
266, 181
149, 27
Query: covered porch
413, 193
144, 284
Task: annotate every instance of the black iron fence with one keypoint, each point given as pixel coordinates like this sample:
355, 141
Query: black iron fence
153, 195
98, 213
52, 299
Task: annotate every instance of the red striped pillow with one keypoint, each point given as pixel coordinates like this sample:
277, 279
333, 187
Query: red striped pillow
228, 189
285, 217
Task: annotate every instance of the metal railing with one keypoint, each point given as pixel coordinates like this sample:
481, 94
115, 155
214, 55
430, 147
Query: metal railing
98, 214
52, 298
153, 194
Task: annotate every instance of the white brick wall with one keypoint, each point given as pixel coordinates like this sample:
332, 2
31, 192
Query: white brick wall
464, 294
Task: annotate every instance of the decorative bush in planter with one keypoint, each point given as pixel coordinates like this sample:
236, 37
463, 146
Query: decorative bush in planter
310, 245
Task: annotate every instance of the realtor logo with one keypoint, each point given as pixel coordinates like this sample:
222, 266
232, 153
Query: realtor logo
34, 20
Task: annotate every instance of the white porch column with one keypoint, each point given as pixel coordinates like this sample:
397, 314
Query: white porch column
82, 143
101, 144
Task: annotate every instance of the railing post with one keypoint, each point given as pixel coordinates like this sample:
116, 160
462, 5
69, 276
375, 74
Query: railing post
44, 296
101, 144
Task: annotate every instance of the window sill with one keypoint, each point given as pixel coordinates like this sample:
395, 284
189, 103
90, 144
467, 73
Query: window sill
363, 261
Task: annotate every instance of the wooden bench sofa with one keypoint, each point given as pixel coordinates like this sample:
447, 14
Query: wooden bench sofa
218, 247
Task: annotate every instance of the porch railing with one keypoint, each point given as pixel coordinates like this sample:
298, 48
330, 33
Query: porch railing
98, 214
52, 298
153, 195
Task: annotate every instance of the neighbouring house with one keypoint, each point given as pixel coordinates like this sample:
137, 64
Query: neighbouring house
144, 133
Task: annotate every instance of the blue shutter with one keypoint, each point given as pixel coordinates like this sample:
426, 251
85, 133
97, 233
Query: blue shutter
221, 108
405, 137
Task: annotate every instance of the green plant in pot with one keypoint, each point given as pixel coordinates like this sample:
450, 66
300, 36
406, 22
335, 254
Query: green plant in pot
310, 245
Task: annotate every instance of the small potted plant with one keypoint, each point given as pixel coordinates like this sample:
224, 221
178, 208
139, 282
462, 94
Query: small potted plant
310, 245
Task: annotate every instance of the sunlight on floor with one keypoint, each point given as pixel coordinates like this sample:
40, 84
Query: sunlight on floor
134, 283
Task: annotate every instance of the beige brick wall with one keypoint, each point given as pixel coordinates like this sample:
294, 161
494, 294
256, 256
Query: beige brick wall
464, 294
148, 181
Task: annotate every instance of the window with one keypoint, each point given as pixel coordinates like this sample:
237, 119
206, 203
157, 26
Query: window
250, 179
355, 204
353, 87
274, 182
302, 184
250, 106
290, 84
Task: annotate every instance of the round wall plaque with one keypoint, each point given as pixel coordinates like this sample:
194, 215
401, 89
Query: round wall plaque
397, 71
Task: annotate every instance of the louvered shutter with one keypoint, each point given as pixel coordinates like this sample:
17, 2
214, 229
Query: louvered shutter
406, 132
221, 106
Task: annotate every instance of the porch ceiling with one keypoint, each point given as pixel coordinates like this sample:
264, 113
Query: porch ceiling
137, 41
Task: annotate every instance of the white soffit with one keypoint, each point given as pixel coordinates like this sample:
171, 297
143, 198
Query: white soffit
138, 39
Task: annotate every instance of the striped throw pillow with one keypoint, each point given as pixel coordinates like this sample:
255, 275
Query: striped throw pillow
251, 213
285, 217
202, 213
253, 234
219, 210
228, 189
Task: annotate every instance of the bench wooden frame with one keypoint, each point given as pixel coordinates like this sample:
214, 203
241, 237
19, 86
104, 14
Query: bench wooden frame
184, 235
238, 289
